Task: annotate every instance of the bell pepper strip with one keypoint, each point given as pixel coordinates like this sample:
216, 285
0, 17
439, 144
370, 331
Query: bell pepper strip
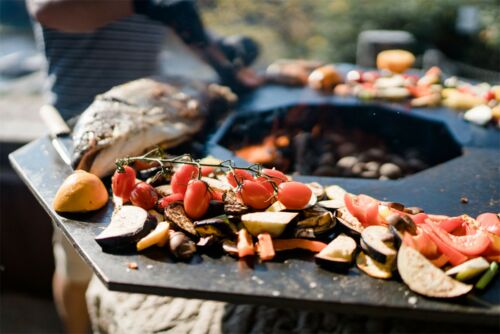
470, 245
159, 236
454, 256
489, 222
419, 218
165, 201
423, 243
487, 276
439, 261
245, 244
265, 247
288, 244
448, 224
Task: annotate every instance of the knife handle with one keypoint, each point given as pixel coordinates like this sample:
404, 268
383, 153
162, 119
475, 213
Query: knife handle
53, 120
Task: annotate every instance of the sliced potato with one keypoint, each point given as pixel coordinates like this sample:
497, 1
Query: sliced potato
424, 278
273, 223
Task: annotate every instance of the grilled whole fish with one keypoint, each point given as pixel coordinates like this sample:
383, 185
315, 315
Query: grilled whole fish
130, 118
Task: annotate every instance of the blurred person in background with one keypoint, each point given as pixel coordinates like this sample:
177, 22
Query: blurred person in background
92, 46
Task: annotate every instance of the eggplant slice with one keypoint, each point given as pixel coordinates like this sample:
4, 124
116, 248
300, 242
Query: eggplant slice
349, 221
176, 215
128, 225
424, 278
318, 221
338, 255
376, 241
218, 226
372, 267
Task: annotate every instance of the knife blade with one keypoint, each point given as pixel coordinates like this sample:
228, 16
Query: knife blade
59, 132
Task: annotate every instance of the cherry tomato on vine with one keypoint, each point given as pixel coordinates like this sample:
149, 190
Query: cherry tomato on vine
255, 195
122, 183
207, 170
196, 199
240, 175
216, 195
267, 183
144, 195
182, 176
275, 175
165, 201
294, 195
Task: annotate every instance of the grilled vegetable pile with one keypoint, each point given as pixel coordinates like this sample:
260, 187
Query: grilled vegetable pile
189, 206
391, 82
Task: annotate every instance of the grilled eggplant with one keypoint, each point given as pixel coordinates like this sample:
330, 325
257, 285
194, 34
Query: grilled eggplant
338, 255
398, 225
377, 242
317, 221
372, 267
352, 223
177, 216
233, 205
219, 227
128, 225
424, 278
335, 192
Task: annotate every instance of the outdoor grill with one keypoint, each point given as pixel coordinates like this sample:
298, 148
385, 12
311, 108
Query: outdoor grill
461, 161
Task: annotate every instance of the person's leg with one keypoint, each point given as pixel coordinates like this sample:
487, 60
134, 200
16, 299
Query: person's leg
69, 285
69, 298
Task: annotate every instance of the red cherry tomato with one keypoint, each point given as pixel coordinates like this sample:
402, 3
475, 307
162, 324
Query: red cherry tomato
165, 201
240, 175
216, 195
123, 183
268, 184
206, 170
182, 176
275, 175
255, 195
294, 195
196, 199
144, 195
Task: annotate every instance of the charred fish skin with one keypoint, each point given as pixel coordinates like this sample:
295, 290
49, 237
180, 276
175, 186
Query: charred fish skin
137, 115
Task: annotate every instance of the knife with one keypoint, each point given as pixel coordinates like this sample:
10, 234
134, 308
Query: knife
59, 132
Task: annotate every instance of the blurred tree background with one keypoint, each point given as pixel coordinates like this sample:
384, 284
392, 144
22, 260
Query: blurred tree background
328, 30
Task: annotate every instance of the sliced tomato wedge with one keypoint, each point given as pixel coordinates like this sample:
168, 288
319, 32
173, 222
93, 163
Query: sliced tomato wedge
489, 222
471, 245
454, 256
364, 208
